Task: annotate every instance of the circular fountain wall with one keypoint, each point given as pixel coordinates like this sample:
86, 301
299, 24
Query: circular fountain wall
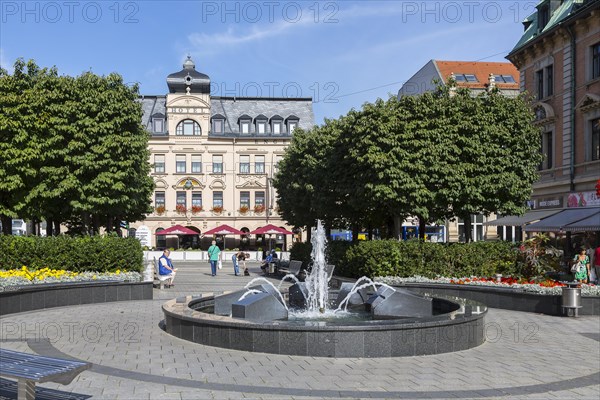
259, 318
189, 318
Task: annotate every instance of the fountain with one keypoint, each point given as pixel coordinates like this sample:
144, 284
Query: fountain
362, 319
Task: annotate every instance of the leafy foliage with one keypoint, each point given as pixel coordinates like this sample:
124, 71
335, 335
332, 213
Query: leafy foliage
442, 154
75, 148
76, 254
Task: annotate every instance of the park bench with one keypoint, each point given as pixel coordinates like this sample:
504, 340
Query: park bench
293, 267
30, 369
158, 277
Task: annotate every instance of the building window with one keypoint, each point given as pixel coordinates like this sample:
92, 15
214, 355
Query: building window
181, 199
476, 228
544, 81
217, 199
547, 150
259, 164
504, 79
180, 163
261, 124
471, 78
196, 164
188, 127
276, 127
217, 164
245, 122
259, 199
159, 199
543, 17
595, 139
218, 125
196, 199
244, 164
159, 163
276, 166
245, 199
158, 125
549, 71
596, 61
292, 125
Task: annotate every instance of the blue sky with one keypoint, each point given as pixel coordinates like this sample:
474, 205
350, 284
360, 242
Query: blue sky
341, 53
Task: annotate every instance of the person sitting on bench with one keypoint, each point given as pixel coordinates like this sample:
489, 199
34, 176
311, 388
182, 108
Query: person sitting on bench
268, 260
165, 267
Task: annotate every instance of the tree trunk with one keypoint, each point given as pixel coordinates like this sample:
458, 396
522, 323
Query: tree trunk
422, 228
370, 230
109, 224
468, 229
56, 227
6, 224
49, 227
355, 232
398, 227
308, 234
390, 228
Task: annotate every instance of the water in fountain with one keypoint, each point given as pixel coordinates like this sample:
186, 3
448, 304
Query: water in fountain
268, 283
356, 288
316, 282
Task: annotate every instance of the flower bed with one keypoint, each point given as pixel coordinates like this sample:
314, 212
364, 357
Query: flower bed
546, 287
24, 276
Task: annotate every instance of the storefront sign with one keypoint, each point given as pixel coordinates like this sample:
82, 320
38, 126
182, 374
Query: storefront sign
549, 203
583, 199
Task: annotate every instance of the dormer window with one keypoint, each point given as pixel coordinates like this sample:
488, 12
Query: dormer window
261, 124
276, 125
543, 16
244, 121
218, 124
158, 123
292, 123
188, 127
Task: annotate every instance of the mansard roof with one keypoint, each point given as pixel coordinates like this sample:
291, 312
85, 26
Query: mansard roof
234, 107
566, 10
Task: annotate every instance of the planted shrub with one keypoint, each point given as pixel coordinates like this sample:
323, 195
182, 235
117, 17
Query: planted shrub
76, 254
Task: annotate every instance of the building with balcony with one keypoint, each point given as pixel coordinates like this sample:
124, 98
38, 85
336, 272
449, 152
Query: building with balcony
214, 159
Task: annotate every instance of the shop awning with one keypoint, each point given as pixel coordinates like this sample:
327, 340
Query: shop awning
528, 217
589, 224
561, 221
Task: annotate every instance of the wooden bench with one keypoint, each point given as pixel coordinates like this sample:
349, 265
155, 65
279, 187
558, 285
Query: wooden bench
30, 369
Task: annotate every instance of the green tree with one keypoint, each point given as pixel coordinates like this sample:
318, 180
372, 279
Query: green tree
75, 148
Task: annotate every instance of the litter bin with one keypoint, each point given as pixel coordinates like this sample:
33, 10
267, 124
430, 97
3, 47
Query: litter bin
571, 299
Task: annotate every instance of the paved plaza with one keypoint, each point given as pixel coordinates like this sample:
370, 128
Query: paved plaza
526, 356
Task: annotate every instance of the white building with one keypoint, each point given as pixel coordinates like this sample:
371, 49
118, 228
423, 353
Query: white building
214, 159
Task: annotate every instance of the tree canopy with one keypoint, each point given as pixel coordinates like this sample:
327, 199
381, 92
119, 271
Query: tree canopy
441, 154
73, 149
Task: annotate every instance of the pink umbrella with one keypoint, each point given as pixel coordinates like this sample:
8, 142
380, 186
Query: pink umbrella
224, 230
271, 229
177, 230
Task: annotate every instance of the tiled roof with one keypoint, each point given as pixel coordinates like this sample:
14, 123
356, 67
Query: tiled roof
152, 105
481, 70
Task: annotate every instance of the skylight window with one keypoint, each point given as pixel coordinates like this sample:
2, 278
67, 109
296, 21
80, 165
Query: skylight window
504, 79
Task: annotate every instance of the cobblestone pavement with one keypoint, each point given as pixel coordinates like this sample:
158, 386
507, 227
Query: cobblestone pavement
526, 356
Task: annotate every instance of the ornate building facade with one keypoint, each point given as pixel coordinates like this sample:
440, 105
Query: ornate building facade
214, 159
558, 58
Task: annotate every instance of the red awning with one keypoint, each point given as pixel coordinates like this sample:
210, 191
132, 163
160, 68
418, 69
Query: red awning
271, 229
177, 230
224, 230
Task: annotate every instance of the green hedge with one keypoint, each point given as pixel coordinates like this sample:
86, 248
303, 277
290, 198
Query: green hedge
413, 257
87, 253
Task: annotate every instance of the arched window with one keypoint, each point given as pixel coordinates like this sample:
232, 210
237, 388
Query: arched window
188, 127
